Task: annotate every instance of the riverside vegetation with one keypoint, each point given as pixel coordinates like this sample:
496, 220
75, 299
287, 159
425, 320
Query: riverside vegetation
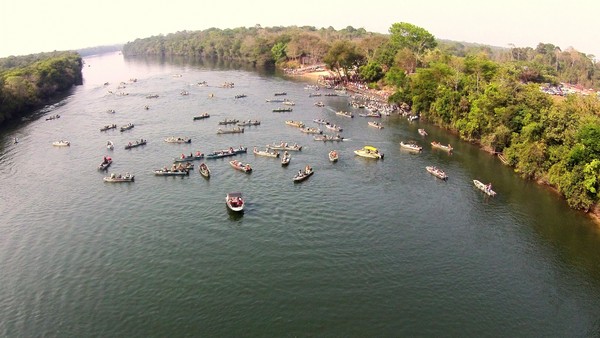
487, 95
29, 81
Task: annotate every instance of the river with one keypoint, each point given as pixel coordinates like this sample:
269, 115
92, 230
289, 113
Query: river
361, 248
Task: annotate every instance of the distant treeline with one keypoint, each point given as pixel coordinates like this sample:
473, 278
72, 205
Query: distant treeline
29, 81
487, 95
99, 50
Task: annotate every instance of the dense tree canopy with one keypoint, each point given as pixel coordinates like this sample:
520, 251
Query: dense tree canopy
26, 82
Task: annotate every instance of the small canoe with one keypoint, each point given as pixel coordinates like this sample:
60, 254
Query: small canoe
203, 169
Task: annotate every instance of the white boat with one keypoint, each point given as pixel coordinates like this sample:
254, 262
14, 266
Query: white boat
438, 145
411, 147
334, 127
241, 166
344, 113
114, 178
203, 169
375, 124
286, 158
128, 126
266, 152
437, 172
173, 139
369, 152
235, 201
486, 188
171, 172
333, 156
236, 130
422, 132
311, 130
293, 123
285, 146
61, 143
110, 145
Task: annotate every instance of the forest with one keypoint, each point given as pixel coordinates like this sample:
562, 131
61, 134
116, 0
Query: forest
29, 81
488, 95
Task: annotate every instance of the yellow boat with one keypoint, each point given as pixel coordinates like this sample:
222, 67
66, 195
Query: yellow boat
369, 152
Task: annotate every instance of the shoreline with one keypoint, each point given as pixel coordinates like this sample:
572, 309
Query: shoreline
593, 213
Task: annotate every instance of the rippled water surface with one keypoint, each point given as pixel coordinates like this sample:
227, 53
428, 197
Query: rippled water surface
362, 248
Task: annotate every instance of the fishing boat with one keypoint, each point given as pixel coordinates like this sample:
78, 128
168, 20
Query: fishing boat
311, 130
241, 166
108, 127
106, 162
298, 124
486, 188
422, 132
249, 123
128, 126
171, 172
53, 117
266, 153
301, 175
329, 138
285, 146
334, 127
135, 144
437, 172
320, 121
235, 201
282, 110
411, 147
333, 156
225, 153
191, 157
344, 113
369, 152
240, 96
114, 178
61, 143
200, 117
236, 130
438, 145
286, 158
203, 169
319, 104
375, 124
173, 139
280, 93
229, 121
110, 145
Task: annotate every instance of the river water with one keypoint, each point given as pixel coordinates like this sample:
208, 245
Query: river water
362, 248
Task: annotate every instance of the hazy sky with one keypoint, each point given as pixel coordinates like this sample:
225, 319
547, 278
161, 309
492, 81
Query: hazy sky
32, 26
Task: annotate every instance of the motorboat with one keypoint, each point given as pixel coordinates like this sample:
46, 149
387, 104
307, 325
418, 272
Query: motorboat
369, 152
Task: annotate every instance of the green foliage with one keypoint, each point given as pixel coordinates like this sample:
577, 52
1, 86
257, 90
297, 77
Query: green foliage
31, 84
278, 51
371, 72
344, 57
